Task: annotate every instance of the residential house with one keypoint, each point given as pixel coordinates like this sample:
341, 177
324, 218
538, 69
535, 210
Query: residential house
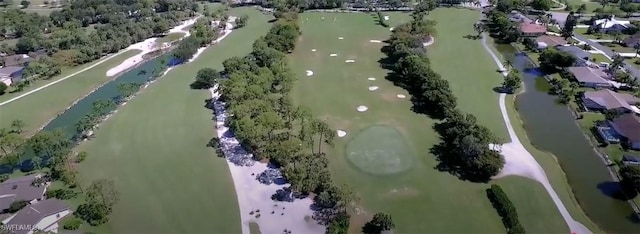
630, 159
632, 40
38, 217
16, 60
532, 29
610, 24
9, 75
609, 100
21, 189
582, 57
590, 77
627, 128
549, 41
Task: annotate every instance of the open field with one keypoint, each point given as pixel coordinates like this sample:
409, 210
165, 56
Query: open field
154, 149
420, 198
54, 99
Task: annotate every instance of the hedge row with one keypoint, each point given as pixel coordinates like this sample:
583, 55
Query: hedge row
505, 209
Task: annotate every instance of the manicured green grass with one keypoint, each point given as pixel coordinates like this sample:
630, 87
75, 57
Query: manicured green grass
154, 149
618, 48
600, 58
170, 37
591, 5
37, 108
254, 228
421, 199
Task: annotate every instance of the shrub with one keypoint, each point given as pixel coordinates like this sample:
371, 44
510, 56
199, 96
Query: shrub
72, 223
62, 194
81, 157
16, 206
3, 178
505, 209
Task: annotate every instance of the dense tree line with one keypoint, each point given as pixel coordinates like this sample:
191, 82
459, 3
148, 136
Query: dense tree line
202, 34
464, 149
256, 89
501, 27
85, 30
380, 222
506, 209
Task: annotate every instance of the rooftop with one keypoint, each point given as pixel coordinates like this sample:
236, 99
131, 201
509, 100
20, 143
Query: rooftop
589, 75
551, 40
6, 71
610, 22
20, 189
532, 28
628, 125
31, 214
575, 51
612, 100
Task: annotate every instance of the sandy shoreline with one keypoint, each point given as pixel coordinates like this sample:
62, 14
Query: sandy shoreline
145, 47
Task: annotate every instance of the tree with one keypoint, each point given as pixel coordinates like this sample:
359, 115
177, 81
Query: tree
582, 9
37, 163
551, 59
630, 175
3, 88
479, 28
206, 78
616, 63
25, 3
128, 89
9, 141
50, 145
380, 222
569, 24
242, 21
17, 126
512, 81
603, 3
339, 225
102, 192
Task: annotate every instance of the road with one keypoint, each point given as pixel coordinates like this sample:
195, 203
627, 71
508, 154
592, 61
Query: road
627, 65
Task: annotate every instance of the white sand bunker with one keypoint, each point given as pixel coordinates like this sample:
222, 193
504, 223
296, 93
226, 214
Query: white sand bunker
340, 38
349, 61
373, 88
341, 133
309, 73
386, 17
362, 108
375, 41
314, 50
391, 29
371, 78
333, 55
401, 96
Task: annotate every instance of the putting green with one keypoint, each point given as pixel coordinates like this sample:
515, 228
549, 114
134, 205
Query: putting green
380, 150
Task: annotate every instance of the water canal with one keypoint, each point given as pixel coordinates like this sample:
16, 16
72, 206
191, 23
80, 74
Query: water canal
551, 127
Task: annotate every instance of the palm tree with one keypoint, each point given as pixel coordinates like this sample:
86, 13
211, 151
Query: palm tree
636, 46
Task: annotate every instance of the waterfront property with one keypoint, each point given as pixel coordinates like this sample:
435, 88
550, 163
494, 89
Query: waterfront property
24, 188
549, 41
610, 24
627, 129
582, 57
607, 100
38, 217
590, 77
532, 29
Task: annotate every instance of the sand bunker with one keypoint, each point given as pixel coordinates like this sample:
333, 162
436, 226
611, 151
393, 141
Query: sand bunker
340, 38
371, 78
375, 41
309, 73
314, 50
391, 29
341, 133
401, 96
349, 61
373, 88
362, 108
386, 17
333, 55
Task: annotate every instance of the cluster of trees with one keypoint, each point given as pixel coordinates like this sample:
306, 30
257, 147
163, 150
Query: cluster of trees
85, 30
100, 109
551, 60
101, 196
242, 21
267, 124
201, 35
512, 81
506, 209
464, 148
501, 27
379, 223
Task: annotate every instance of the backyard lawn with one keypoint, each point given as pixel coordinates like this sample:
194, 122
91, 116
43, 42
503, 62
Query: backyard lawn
420, 198
154, 148
54, 99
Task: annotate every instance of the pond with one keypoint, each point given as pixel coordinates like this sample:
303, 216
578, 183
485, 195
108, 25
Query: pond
552, 127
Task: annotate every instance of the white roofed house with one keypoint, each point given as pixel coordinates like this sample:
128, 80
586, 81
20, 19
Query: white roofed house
610, 24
